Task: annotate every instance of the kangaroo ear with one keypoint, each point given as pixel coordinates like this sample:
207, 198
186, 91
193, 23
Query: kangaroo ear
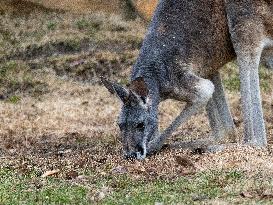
115, 88
139, 87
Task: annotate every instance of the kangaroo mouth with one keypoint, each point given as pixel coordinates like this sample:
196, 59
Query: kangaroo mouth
139, 151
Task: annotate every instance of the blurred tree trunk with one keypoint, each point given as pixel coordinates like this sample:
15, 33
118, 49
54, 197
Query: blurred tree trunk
144, 8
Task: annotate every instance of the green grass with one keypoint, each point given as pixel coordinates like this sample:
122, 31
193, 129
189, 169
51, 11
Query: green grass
51, 25
186, 190
16, 188
232, 80
14, 99
30, 188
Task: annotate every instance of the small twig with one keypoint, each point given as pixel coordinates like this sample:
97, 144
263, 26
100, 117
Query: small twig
193, 144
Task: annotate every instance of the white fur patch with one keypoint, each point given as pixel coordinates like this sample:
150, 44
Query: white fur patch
205, 89
267, 42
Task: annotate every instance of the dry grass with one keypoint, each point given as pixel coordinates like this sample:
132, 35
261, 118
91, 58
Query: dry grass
76, 116
83, 6
76, 6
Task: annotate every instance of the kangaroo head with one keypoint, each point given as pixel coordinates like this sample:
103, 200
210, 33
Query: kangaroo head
134, 119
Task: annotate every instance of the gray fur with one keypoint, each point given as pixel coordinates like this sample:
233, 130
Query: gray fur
267, 58
186, 44
219, 114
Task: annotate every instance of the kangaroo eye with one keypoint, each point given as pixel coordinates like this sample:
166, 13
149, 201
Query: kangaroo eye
140, 126
121, 126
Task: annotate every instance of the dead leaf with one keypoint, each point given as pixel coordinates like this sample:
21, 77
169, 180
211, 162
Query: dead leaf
152, 171
71, 175
183, 161
199, 197
50, 173
103, 173
267, 195
186, 172
141, 169
96, 196
119, 170
12, 151
76, 63
137, 167
82, 178
85, 103
237, 121
246, 194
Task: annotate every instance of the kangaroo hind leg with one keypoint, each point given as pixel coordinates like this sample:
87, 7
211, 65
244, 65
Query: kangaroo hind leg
248, 40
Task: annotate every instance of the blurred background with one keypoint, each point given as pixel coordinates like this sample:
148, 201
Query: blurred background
128, 8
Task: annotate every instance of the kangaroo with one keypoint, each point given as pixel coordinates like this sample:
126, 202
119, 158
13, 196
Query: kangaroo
187, 42
267, 58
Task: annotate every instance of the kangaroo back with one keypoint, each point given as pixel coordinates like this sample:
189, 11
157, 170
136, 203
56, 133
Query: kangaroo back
195, 31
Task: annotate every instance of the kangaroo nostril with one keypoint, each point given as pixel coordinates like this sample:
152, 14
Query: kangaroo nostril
140, 149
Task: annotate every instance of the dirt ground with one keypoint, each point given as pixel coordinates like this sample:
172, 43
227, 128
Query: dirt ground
75, 124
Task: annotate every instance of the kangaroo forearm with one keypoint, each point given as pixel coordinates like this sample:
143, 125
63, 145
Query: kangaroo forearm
158, 141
